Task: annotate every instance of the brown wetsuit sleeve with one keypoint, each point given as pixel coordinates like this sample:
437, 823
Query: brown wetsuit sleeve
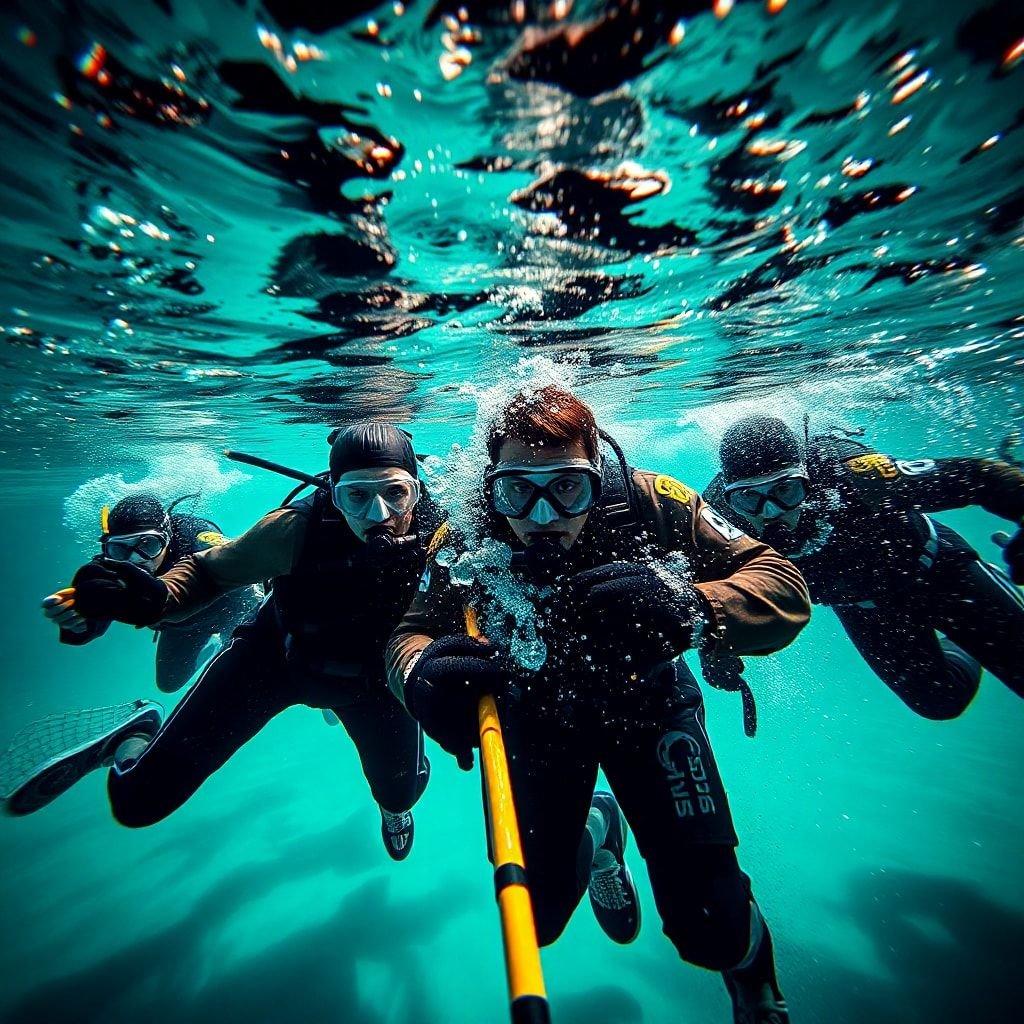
265, 551
934, 485
436, 611
757, 600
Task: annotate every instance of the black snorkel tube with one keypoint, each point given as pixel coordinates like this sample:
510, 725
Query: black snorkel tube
275, 467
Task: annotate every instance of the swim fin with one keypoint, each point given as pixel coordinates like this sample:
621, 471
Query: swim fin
51, 755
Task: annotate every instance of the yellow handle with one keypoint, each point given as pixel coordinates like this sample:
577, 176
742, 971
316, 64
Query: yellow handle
519, 932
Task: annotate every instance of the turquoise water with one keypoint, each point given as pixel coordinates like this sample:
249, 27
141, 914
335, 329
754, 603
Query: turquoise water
293, 293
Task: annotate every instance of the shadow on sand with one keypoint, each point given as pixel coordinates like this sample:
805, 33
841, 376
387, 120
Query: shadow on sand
312, 975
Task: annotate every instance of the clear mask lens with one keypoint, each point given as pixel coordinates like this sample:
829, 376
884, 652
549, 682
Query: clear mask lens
785, 494
145, 547
376, 500
543, 497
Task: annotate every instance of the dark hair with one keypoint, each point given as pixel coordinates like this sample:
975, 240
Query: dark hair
549, 416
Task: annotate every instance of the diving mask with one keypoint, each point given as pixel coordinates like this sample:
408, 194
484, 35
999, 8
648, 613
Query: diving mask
139, 548
786, 491
376, 500
544, 493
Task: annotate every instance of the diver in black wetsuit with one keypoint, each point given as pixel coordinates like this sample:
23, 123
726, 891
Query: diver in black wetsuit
922, 607
345, 563
138, 530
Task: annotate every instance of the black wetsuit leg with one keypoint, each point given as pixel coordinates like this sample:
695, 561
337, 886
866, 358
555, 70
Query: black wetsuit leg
389, 742
241, 689
178, 646
658, 760
177, 654
900, 645
553, 770
982, 612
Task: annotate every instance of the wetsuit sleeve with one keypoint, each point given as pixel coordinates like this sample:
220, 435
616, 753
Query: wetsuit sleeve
756, 601
265, 551
436, 611
934, 485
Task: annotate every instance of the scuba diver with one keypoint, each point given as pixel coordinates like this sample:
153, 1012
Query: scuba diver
919, 603
616, 571
140, 531
344, 562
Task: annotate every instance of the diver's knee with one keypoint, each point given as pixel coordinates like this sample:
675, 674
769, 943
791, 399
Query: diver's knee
134, 817
549, 927
707, 915
550, 916
706, 942
944, 712
945, 703
170, 682
126, 806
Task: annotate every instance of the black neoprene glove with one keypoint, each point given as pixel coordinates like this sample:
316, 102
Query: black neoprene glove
444, 688
105, 589
722, 671
725, 672
628, 610
1014, 555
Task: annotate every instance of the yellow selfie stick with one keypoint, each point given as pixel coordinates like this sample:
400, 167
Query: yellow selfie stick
529, 1002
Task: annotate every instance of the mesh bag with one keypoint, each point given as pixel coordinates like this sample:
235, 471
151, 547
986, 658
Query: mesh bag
40, 742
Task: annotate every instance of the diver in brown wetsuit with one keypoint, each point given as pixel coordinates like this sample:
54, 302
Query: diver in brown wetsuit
617, 571
344, 564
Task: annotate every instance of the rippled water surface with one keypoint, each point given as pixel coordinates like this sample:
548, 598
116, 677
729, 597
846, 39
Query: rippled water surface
233, 224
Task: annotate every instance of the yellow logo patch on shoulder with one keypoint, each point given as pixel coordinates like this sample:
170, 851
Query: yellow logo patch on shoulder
437, 541
670, 487
212, 538
874, 463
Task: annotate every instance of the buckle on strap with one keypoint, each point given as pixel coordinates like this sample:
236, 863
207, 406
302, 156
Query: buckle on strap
618, 513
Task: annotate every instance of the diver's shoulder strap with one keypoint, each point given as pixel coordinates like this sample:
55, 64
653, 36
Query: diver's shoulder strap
430, 521
327, 543
618, 495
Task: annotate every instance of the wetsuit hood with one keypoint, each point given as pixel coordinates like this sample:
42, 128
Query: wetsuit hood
371, 445
756, 446
136, 512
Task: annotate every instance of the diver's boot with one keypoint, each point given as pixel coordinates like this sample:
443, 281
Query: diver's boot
613, 894
752, 985
397, 831
123, 734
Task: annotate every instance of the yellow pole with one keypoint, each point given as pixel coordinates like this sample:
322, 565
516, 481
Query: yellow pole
529, 1003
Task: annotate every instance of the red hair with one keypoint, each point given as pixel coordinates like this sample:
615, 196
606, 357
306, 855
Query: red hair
550, 416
